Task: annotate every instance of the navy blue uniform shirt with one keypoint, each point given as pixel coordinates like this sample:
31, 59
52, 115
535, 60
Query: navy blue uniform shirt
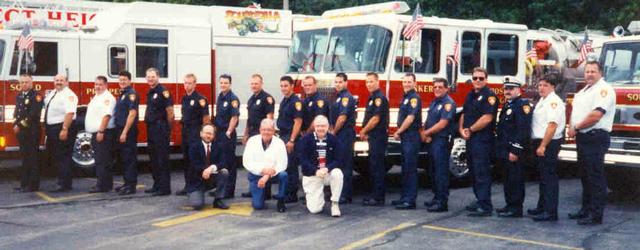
377, 105
345, 104
411, 104
128, 100
439, 109
194, 108
478, 104
258, 106
313, 106
290, 109
227, 106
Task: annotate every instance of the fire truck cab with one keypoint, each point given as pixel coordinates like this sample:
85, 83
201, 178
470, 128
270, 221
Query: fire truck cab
369, 39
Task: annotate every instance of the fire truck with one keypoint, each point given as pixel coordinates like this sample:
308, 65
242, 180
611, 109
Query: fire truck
85, 39
369, 39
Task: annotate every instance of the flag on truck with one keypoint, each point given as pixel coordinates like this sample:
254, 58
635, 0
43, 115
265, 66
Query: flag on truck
25, 42
585, 49
455, 57
413, 28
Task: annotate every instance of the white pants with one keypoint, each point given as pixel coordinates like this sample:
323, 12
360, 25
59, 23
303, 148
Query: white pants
314, 189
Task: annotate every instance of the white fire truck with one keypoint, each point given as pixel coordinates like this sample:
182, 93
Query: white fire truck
84, 39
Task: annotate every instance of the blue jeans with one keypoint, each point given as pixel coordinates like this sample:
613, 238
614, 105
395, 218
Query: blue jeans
257, 194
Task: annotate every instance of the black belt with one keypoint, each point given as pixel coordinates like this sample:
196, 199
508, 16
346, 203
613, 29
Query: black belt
594, 131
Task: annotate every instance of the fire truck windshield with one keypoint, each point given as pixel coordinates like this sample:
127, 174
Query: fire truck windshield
2, 45
621, 63
361, 48
307, 52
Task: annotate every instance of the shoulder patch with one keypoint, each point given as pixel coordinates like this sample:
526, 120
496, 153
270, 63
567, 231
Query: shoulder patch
132, 97
414, 102
38, 98
202, 103
270, 100
448, 107
106, 102
234, 103
298, 106
554, 105
345, 101
320, 103
492, 100
378, 102
166, 94
526, 108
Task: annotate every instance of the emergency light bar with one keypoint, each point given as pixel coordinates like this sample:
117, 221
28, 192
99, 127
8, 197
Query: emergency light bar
397, 7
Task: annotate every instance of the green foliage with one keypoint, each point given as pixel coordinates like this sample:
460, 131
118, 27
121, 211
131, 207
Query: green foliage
572, 15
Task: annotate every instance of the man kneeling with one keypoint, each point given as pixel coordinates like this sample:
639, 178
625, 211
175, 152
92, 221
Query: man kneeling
319, 157
206, 163
265, 157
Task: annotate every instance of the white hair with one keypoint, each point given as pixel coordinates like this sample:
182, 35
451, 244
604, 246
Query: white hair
321, 119
267, 122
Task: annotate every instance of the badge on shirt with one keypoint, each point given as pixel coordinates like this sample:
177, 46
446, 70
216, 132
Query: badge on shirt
132, 97
166, 93
310, 104
509, 111
405, 102
370, 102
448, 107
378, 102
270, 100
38, 98
155, 96
258, 102
202, 103
121, 97
192, 102
224, 104
26, 101
414, 102
526, 109
479, 98
492, 100
603, 93
320, 103
345, 101
554, 105
234, 104
439, 107
106, 102
298, 106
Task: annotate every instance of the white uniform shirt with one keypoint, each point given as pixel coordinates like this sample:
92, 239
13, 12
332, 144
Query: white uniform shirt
100, 106
547, 110
599, 96
64, 102
255, 158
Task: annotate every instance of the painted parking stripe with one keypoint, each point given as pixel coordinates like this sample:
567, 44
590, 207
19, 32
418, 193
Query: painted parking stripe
379, 235
241, 209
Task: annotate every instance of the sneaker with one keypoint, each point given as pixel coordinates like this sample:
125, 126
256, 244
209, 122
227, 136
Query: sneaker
335, 209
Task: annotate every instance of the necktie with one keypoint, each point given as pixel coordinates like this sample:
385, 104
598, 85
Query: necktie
46, 109
207, 161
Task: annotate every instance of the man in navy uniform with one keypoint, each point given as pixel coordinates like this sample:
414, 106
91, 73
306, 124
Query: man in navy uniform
409, 120
477, 125
438, 129
313, 104
27, 130
260, 105
227, 113
195, 113
594, 108
158, 117
342, 118
513, 133
376, 124
206, 170
126, 121
290, 124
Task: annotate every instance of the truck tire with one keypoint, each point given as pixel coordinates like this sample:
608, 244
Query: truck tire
458, 159
361, 166
83, 154
623, 180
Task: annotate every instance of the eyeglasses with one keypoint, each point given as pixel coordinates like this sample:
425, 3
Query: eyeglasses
475, 78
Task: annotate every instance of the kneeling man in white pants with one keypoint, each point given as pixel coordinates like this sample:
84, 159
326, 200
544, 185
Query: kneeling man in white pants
319, 159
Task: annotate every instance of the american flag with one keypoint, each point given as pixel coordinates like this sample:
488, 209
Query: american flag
532, 54
455, 57
25, 42
585, 48
417, 22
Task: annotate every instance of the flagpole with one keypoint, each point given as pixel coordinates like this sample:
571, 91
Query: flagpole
20, 61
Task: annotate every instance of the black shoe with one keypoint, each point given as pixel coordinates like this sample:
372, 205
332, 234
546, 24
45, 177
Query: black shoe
438, 208
291, 199
535, 211
161, 193
472, 207
94, 190
150, 190
281, 207
579, 215
61, 190
396, 202
430, 203
372, 202
118, 188
127, 191
590, 220
226, 196
218, 203
181, 192
544, 216
246, 195
479, 212
406, 206
502, 209
344, 200
510, 214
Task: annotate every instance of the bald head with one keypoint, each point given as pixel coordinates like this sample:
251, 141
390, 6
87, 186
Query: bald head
321, 126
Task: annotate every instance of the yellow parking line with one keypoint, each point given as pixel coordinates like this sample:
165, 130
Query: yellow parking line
452, 230
371, 238
242, 209
73, 197
46, 197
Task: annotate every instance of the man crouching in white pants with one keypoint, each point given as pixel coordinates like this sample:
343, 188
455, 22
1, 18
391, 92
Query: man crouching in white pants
319, 157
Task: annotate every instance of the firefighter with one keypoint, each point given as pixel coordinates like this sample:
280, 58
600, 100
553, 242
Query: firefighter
409, 119
438, 129
313, 105
195, 113
59, 115
342, 118
477, 125
513, 133
27, 130
126, 121
547, 130
591, 122
99, 122
226, 120
376, 124
290, 123
260, 105
158, 117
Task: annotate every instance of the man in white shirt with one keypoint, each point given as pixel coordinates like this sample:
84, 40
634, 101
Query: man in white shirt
265, 157
99, 122
594, 108
546, 131
59, 115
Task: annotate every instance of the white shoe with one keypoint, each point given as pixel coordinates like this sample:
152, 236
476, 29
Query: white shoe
335, 210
